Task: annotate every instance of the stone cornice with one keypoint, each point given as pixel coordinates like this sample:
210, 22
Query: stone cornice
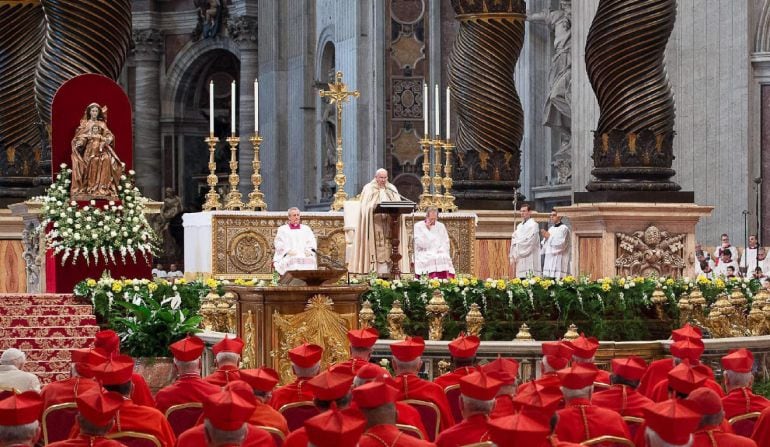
243, 30
147, 42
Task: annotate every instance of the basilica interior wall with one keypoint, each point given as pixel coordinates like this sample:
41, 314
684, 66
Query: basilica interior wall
385, 47
708, 65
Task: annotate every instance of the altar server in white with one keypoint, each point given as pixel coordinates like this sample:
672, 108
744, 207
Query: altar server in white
295, 246
431, 248
525, 245
556, 246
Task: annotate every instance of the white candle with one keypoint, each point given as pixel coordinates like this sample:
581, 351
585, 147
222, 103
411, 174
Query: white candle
256, 106
425, 107
211, 108
438, 113
446, 135
232, 108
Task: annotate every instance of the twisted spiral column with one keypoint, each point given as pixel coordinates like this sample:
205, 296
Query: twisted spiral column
633, 143
84, 36
21, 33
490, 116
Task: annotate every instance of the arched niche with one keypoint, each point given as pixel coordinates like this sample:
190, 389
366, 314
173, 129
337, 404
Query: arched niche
327, 126
185, 112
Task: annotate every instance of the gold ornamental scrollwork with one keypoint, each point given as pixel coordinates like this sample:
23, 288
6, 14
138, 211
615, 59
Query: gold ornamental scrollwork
242, 245
318, 324
396, 317
650, 252
436, 310
474, 320
249, 357
247, 251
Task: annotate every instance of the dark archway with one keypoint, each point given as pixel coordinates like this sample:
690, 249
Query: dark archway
190, 122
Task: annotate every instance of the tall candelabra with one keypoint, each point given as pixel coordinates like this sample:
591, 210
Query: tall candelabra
426, 199
213, 201
438, 198
233, 198
256, 198
449, 199
431, 186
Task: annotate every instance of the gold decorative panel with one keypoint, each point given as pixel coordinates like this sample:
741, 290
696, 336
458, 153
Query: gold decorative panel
242, 245
318, 324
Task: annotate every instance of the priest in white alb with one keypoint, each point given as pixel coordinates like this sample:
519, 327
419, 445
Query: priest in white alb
372, 242
556, 246
525, 245
431, 248
295, 246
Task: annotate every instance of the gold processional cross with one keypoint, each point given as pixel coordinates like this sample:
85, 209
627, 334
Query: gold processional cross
339, 95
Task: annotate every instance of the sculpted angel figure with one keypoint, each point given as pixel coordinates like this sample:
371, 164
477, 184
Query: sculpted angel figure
96, 168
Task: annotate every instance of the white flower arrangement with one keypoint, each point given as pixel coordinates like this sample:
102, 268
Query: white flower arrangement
95, 233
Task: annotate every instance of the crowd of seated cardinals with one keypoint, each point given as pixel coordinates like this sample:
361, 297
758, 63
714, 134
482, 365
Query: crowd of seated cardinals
674, 401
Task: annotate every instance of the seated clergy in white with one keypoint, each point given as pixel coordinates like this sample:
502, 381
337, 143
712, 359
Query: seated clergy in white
431, 248
295, 246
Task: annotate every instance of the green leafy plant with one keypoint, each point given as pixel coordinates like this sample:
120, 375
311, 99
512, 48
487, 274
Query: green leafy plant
609, 308
149, 328
147, 315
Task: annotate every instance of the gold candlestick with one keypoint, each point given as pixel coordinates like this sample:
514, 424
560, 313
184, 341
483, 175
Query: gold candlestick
338, 95
449, 199
426, 200
339, 179
213, 201
256, 198
438, 198
233, 198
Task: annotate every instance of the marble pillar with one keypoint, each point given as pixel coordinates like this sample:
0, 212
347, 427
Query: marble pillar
272, 82
148, 45
585, 107
243, 30
490, 117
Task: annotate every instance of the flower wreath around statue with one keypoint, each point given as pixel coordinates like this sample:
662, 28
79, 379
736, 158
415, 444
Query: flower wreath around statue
97, 231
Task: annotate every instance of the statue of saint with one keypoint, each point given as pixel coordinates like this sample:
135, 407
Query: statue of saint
171, 208
329, 155
558, 111
96, 168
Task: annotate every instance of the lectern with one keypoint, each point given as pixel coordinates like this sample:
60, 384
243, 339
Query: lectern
394, 210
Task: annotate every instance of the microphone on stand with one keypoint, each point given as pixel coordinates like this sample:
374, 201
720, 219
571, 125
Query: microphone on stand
333, 261
328, 258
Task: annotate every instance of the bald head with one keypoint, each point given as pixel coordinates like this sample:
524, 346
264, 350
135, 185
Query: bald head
381, 176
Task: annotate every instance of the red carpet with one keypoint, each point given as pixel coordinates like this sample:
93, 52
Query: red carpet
46, 327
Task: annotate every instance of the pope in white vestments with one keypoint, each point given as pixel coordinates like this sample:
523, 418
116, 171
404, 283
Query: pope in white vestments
294, 246
525, 246
431, 248
372, 242
556, 246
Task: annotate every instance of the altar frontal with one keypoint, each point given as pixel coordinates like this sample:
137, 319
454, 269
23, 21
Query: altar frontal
231, 245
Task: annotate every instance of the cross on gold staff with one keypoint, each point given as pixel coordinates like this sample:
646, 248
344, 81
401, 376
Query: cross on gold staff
338, 94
